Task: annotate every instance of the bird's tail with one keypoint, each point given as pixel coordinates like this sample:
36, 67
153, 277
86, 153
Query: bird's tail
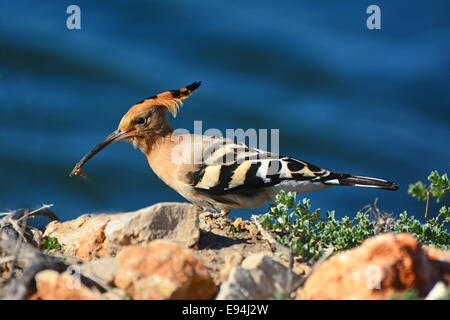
345, 179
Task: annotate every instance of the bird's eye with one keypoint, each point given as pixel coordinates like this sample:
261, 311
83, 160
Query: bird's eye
140, 120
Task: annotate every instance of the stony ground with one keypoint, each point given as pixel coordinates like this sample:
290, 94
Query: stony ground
172, 251
221, 250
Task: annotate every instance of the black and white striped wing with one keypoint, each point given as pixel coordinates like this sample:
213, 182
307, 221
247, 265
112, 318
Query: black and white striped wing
249, 172
236, 169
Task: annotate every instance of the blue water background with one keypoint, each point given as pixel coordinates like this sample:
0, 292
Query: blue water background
349, 99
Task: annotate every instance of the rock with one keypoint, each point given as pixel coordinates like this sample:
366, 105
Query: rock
9, 231
52, 285
103, 269
83, 237
231, 261
382, 266
222, 249
255, 260
30, 262
440, 261
101, 235
259, 277
162, 270
246, 226
436, 254
210, 224
438, 292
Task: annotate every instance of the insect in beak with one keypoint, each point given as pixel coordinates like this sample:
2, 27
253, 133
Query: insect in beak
113, 137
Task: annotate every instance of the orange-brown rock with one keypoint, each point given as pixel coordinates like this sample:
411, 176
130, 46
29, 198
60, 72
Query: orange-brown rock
83, 237
162, 270
92, 236
52, 285
380, 267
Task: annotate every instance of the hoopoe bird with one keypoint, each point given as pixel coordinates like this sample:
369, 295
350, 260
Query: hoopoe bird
215, 173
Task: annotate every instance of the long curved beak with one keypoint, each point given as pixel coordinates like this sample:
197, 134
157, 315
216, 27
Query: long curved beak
113, 137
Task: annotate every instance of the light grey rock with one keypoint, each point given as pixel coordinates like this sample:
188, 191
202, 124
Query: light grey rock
103, 269
93, 236
177, 222
259, 278
437, 292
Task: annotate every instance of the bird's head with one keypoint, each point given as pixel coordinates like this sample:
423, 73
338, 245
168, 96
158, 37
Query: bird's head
144, 121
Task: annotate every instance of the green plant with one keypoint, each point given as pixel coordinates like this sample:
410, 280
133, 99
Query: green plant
308, 234
233, 229
50, 243
431, 233
410, 294
236, 231
438, 188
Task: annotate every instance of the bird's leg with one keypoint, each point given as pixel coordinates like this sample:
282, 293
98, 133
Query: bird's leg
211, 212
224, 213
198, 207
214, 214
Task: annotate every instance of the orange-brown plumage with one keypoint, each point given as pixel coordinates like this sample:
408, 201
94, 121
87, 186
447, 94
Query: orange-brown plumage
145, 123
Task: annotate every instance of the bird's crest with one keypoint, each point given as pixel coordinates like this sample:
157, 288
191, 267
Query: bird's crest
171, 100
